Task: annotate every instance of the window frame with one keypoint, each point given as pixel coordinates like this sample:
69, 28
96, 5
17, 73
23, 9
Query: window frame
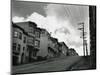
20, 35
23, 49
38, 45
19, 47
14, 47
37, 34
24, 40
15, 33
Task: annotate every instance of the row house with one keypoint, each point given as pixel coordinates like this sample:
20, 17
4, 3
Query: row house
19, 48
72, 52
53, 47
32, 40
64, 49
35, 45
43, 43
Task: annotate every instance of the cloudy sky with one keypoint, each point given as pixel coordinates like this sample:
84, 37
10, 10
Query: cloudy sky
59, 19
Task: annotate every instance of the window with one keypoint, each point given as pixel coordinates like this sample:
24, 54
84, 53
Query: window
23, 48
27, 50
34, 53
31, 30
31, 25
14, 46
19, 47
31, 41
16, 34
24, 40
42, 32
20, 35
37, 43
63, 52
37, 34
48, 50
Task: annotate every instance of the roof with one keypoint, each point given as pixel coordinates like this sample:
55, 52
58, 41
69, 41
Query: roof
62, 43
30, 22
16, 26
54, 39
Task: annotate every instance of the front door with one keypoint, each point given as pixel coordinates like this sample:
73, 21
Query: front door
22, 58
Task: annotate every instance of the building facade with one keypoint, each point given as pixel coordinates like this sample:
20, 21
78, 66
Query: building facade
64, 49
19, 47
53, 47
43, 43
72, 52
31, 34
33, 43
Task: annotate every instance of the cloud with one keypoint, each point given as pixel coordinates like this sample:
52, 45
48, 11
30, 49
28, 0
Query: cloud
18, 19
38, 18
62, 30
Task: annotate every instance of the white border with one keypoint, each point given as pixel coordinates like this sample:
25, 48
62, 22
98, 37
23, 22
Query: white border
5, 37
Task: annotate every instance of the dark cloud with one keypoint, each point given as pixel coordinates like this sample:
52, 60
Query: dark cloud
23, 8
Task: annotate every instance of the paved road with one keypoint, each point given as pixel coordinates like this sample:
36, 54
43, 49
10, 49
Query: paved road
54, 65
84, 64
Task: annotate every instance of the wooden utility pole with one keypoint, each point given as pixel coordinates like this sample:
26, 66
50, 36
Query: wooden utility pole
86, 47
83, 35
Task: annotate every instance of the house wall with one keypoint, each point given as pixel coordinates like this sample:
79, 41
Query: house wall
43, 45
28, 27
51, 53
53, 46
21, 43
64, 50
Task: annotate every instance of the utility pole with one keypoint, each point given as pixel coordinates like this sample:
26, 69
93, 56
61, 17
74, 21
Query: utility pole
83, 35
86, 47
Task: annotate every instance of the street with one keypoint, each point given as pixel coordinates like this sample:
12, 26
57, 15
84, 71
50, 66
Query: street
60, 64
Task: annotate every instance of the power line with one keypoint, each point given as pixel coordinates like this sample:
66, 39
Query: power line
66, 13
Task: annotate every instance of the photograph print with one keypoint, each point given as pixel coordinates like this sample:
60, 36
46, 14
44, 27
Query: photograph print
52, 37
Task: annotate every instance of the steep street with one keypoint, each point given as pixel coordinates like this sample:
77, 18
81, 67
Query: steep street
58, 64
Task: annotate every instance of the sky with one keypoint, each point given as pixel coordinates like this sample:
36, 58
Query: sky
61, 20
